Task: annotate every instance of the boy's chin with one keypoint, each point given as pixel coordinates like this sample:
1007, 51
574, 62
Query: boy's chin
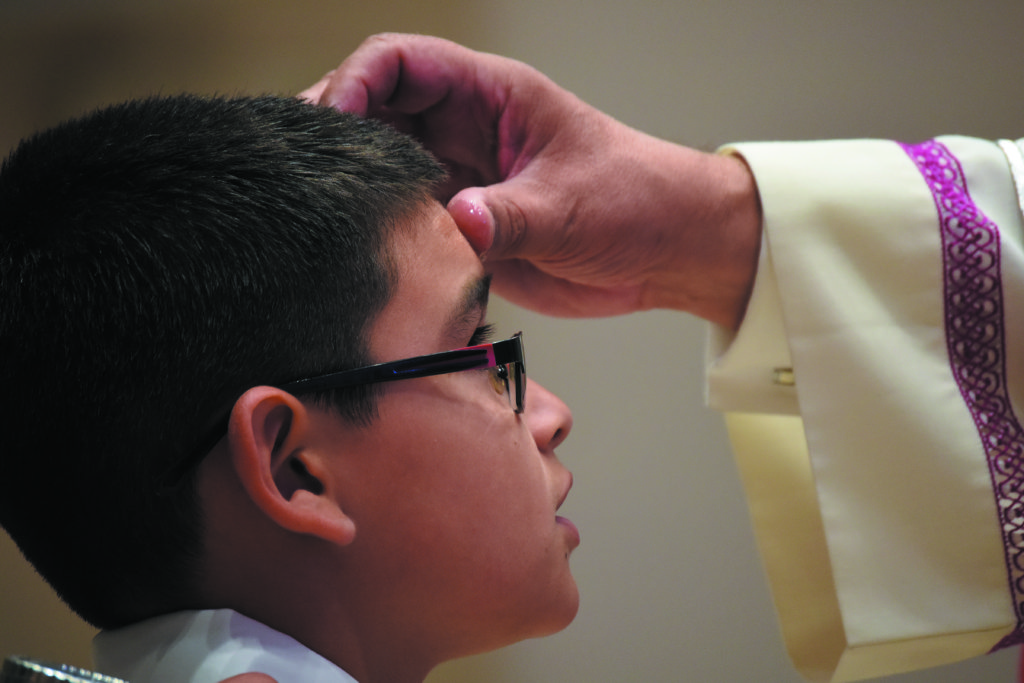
557, 613
562, 613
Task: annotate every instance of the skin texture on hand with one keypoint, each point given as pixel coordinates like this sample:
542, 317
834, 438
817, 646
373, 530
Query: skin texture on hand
576, 214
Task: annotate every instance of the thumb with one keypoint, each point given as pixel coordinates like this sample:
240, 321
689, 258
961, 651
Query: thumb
250, 678
471, 214
504, 220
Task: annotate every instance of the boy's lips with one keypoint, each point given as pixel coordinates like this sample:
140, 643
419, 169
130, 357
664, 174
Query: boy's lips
571, 530
565, 522
565, 493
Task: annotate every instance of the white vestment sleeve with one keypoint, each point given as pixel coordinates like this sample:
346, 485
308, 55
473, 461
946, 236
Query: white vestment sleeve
866, 444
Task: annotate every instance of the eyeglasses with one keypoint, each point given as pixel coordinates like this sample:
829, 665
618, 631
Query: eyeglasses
505, 359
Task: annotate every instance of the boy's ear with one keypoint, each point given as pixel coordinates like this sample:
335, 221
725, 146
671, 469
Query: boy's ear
273, 455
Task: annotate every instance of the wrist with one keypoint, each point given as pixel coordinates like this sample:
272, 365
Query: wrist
716, 236
740, 226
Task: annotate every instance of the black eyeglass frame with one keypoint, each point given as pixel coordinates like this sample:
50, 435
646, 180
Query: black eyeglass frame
507, 352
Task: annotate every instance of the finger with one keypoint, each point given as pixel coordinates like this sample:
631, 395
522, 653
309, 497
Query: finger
250, 678
313, 93
525, 284
514, 219
469, 210
404, 72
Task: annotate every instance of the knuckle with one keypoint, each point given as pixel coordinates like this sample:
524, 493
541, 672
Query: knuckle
513, 227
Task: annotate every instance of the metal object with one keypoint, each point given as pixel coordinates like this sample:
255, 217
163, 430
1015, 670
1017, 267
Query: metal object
23, 670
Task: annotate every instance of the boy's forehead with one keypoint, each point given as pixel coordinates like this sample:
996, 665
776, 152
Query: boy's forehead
441, 293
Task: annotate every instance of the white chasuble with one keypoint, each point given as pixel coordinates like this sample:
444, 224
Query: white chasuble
873, 396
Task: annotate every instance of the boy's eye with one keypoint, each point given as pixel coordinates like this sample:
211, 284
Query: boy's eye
499, 378
481, 335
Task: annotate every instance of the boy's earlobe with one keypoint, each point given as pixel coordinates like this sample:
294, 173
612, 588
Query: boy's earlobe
271, 444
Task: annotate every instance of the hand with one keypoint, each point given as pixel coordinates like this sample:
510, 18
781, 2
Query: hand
250, 678
575, 213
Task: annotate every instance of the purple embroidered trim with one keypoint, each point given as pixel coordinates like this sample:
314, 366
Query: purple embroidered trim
977, 356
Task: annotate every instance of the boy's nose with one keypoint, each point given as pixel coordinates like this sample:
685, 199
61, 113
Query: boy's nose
549, 419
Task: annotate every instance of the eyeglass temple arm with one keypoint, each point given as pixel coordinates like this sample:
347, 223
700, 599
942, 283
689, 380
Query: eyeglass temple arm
424, 366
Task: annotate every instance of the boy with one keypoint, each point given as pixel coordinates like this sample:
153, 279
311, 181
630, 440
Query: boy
192, 292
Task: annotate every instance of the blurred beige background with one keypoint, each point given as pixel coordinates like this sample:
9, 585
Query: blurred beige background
671, 584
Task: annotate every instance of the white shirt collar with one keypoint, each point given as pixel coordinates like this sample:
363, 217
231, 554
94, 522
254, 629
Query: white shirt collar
207, 647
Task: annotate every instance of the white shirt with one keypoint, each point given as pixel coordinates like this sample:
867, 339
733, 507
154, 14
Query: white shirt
206, 647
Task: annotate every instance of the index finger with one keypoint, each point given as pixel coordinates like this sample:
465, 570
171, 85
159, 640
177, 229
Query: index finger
405, 73
313, 93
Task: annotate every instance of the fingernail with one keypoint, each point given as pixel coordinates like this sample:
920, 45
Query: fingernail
474, 220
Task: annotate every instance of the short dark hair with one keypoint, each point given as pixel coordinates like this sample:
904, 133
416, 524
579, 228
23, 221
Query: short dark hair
157, 259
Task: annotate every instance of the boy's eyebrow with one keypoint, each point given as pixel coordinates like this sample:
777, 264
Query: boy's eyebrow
469, 310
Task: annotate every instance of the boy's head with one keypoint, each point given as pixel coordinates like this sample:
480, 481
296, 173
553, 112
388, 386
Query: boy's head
168, 263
